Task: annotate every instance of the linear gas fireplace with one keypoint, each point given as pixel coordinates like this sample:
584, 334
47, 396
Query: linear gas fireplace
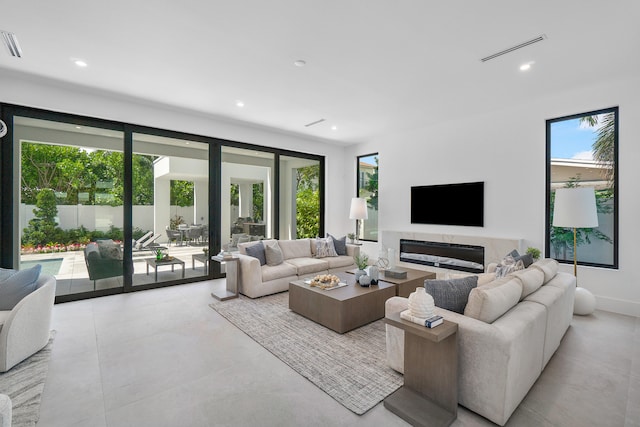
453, 256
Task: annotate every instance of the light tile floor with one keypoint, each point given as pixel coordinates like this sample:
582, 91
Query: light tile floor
164, 358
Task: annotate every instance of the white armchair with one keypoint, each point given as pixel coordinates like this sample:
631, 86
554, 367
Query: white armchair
25, 329
5, 411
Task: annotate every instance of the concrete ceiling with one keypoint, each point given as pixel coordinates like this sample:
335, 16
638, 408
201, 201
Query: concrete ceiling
373, 67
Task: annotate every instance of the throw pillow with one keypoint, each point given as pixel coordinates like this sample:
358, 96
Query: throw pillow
451, 294
325, 248
6, 272
108, 249
527, 259
508, 265
273, 254
17, 286
257, 251
340, 244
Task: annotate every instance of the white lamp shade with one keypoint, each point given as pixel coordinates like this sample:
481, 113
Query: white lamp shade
575, 208
358, 209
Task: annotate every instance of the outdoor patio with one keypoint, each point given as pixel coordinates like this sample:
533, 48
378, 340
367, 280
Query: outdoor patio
70, 269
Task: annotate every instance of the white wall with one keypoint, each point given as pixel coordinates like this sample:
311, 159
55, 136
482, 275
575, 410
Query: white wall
57, 96
506, 150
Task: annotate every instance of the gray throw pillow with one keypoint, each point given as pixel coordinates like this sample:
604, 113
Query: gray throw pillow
451, 294
273, 254
18, 286
526, 259
257, 251
340, 244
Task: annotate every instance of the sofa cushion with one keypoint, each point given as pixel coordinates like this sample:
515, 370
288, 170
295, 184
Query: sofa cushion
17, 286
273, 272
298, 248
531, 279
273, 254
487, 303
339, 244
451, 294
257, 251
340, 261
308, 265
548, 266
325, 248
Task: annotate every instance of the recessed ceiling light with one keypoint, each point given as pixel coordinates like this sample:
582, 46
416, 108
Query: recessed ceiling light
78, 127
526, 66
300, 63
187, 143
239, 104
80, 63
334, 127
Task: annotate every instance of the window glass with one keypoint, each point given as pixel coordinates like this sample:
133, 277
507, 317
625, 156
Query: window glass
582, 151
368, 189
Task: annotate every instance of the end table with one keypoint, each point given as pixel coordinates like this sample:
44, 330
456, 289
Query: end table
231, 290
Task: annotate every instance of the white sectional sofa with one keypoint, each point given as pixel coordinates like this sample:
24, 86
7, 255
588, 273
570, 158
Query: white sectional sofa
255, 280
510, 328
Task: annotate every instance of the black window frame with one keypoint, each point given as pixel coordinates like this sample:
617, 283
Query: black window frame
615, 264
360, 179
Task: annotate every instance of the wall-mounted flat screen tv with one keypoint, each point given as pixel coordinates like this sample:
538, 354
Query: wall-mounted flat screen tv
448, 204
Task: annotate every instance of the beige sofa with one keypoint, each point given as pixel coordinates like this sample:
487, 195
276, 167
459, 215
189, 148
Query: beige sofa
255, 280
510, 329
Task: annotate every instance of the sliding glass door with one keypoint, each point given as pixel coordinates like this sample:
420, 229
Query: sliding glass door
247, 190
70, 218
170, 209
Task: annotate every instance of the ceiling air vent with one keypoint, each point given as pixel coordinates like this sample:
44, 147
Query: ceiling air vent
314, 123
11, 41
511, 49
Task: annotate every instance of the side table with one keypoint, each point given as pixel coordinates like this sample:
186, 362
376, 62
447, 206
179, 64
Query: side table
429, 396
231, 290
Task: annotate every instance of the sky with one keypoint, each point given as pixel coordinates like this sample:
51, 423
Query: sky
572, 140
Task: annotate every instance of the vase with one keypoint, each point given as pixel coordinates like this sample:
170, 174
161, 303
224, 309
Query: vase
364, 281
359, 273
373, 273
421, 304
391, 257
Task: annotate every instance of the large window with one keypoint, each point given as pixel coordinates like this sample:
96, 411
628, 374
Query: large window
582, 151
368, 189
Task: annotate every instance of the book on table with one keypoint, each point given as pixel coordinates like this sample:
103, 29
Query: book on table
431, 322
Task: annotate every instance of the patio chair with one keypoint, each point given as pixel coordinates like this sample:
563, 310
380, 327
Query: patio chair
174, 235
194, 234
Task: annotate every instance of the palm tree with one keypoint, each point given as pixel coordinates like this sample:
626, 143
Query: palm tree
604, 145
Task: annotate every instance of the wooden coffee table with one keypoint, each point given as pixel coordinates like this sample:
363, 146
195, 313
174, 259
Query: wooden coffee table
341, 309
404, 287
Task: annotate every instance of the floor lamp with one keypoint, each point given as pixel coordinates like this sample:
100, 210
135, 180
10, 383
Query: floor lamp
576, 208
358, 211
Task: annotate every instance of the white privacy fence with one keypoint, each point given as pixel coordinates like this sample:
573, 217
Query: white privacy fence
103, 217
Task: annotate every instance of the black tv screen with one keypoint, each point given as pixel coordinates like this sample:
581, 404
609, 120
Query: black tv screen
449, 204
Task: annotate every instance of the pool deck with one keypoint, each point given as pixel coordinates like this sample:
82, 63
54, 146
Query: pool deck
73, 277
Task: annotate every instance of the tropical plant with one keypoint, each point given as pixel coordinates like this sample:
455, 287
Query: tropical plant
362, 260
562, 238
371, 186
604, 145
534, 252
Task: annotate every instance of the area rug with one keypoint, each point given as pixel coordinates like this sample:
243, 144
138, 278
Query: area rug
24, 384
350, 367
